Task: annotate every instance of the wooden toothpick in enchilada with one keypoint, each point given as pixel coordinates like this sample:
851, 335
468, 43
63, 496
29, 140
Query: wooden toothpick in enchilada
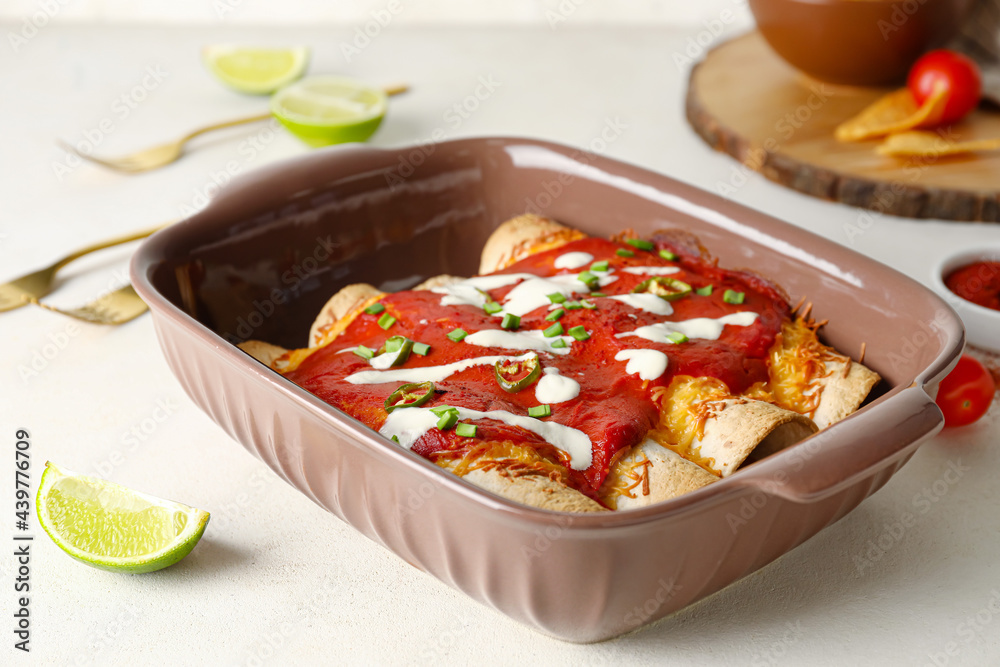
576, 373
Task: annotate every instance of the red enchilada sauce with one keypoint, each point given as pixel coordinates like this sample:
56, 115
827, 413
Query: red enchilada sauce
978, 282
614, 408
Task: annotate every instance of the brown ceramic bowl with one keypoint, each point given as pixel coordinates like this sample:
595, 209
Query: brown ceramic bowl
857, 42
273, 246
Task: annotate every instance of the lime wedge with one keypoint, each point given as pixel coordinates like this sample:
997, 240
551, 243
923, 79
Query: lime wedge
256, 71
324, 110
110, 527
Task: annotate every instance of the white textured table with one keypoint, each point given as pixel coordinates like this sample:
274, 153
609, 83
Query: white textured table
276, 580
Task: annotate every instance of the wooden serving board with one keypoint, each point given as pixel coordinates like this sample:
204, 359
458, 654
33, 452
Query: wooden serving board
744, 100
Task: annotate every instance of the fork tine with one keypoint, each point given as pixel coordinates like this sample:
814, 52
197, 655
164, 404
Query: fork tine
117, 307
91, 158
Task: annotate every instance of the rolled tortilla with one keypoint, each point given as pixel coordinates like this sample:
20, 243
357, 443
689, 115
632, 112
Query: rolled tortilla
814, 379
659, 474
438, 281
265, 353
344, 305
534, 490
844, 390
523, 236
739, 426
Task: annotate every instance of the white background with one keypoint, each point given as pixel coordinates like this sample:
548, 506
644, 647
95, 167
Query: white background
269, 553
523, 12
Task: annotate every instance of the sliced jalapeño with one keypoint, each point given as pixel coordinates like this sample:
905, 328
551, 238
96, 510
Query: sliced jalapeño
410, 396
513, 375
669, 289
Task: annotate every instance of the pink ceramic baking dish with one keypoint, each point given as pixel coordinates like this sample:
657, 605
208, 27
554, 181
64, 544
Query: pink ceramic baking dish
273, 246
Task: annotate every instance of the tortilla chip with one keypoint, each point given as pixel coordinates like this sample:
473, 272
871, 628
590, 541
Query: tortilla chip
929, 144
895, 112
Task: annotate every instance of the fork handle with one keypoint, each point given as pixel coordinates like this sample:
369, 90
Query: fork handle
134, 236
228, 123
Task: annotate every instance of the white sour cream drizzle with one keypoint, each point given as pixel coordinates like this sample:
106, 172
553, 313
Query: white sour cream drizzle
472, 291
534, 292
519, 340
647, 302
409, 424
647, 364
384, 360
531, 293
554, 388
427, 373
651, 270
573, 260
698, 327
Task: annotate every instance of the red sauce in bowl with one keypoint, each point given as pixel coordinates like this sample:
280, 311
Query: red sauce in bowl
978, 282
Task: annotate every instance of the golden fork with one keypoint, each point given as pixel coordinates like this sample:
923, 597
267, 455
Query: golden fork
20, 291
160, 156
157, 156
115, 307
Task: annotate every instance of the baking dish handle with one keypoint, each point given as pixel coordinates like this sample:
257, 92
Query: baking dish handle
837, 457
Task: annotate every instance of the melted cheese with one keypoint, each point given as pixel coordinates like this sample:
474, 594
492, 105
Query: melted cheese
798, 363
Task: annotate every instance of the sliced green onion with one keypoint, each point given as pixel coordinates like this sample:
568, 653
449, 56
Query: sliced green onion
667, 255
393, 344
594, 295
375, 309
409, 396
492, 307
677, 337
513, 375
556, 297
730, 296
539, 411
579, 333
668, 289
704, 291
364, 352
555, 315
457, 335
553, 331
558, 342
589, 279
447, 420
587, 304
395, 439
386, 321
466, 430
572, 305
510, 321
421, 348
599, 266
623, 252
443, 409
641, 244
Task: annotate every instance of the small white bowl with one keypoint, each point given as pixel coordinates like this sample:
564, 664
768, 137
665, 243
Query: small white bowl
982, 325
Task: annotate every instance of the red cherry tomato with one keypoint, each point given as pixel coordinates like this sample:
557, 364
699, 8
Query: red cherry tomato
966, 393
958, 73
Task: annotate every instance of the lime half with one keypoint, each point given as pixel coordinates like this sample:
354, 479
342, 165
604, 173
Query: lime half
114, 528
253, 70
324, 110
